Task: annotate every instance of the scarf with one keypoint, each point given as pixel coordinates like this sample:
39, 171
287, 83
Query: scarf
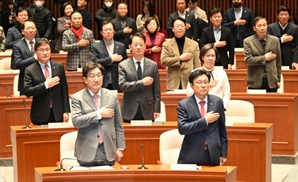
67, 20
78, 32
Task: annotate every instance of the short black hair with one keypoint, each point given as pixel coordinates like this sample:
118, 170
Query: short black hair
20, 9
62, 8
137, 34
179, 18
105, 22
91, 65
214, 11
258, 18
149, 20
283, 8
196, 73
23, 25
40, 42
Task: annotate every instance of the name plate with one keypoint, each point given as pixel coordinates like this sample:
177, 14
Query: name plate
183, 167
141, 123
58, 125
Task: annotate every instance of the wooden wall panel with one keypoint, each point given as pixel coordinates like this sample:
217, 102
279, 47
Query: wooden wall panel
165, 7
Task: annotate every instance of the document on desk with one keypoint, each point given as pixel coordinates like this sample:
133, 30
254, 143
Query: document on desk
81, 168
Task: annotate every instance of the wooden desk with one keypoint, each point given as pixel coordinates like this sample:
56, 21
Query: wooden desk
240, 63
154, 173
279, 109
250, 140
237, 80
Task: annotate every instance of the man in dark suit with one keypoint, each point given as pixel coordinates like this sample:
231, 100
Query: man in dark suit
124, 25
288, 37
87, 17
263, 57
222, 39
191, 24
108, 53
239, 19
96, 114
139, 80
205, 141
45, 80
23, 53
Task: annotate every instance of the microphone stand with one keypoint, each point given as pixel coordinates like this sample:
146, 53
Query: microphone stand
61, 164
143, 161
7, 89
27, 124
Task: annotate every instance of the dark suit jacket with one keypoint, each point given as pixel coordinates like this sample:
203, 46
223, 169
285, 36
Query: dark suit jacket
244, 30
86, 120
189, 18
34, 86
226, 35
254, 56
196, 131
22, 58
120, 36
99, 54
136, 93
288, 52
158, 41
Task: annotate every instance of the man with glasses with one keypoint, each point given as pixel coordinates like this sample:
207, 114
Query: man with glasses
288, 37
201, 119
181, 55
109, 53
45, 80
96, 114
23, 53
139, 80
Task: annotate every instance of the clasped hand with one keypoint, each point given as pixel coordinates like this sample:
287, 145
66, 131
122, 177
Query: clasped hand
211, 117
106, 112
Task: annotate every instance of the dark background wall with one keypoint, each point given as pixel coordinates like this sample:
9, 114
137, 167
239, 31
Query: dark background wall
165, 7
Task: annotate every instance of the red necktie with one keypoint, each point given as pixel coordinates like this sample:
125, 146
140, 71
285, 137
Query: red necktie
203, 112
47, 75
100, 139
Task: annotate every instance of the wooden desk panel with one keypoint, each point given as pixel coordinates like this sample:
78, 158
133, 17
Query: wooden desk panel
154, 173
237, 80
7, 80
28, 147
240, 63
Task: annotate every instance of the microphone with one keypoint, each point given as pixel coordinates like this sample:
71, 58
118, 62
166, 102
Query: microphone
143, 161
27, 124
7, 89
61, 164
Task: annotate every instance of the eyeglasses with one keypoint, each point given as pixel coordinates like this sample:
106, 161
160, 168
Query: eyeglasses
205, 82
93, 76
42, 50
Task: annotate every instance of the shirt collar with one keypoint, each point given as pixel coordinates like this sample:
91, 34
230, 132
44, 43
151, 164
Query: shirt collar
182, 14
283, 27
198, 99
141, 61
92, 94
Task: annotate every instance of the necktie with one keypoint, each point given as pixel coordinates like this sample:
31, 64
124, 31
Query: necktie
203, 112
139, 70
46, 71
31, 47
100, 139
47, 75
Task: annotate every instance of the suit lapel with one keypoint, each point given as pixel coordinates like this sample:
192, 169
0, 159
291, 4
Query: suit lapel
257, 43
210, 106
38, 71
104, 48
116, 47
268, 44
175, 47
212, 33
88, 99
104, 98
146, 67
26, 48
132, 68
194, 106
53, 69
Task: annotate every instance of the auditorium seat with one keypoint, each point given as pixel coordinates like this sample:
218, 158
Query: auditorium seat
5, 64
15, 86
67, 144
169, 147
240, 111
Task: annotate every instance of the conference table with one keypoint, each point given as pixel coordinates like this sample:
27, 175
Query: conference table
153, 173
249, 148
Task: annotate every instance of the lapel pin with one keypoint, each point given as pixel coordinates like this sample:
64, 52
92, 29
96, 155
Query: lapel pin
211, 103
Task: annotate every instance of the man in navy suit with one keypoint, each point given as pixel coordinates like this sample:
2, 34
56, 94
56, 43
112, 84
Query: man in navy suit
45, 80
201, 119
108, 53
222, 39
23, 53
240, 20
288, 37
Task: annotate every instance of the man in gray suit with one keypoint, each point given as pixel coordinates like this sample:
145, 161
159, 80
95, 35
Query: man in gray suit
263, 57
139, 80
77, 41
96, 114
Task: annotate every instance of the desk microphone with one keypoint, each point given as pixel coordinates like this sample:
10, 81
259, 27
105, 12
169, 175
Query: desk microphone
27, 124
143, 161
61, 164
7, 89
